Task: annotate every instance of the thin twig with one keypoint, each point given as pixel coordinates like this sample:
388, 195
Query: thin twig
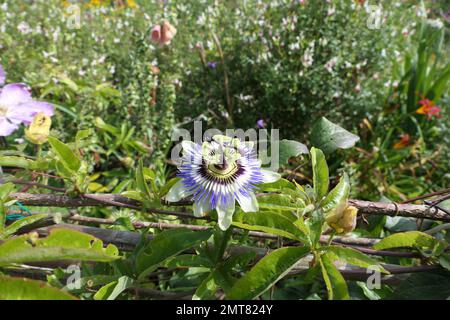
428, 195
441, 227
86, 200
385, 253
39, 185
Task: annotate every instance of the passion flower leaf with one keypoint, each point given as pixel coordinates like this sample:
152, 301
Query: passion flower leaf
353, 257
414, 239
166, 245
19, 162
320, 173
277, 202
276, 186
268, 271
5, 190
335, 282
188, 261
444, 261
338, 195
18, 224
329, 137
289, 149
269, 222
112, 290
60, 244
27, 289
207, 288
65, 154
423, 286
104, 292
141, 180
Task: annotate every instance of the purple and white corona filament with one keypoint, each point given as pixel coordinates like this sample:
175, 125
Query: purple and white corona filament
216, 174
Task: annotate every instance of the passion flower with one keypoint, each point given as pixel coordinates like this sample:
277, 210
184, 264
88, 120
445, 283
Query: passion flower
218, 173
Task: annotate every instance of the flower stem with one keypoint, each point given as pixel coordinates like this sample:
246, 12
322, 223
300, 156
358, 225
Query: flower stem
333, 233
38, 151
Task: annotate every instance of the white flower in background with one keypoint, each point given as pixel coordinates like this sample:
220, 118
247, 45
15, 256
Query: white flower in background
56, 35
209, 45
24, 28
101, 60
323, 42
307, 59
421, 12
330, 64
201, 20
216, 174
245, 98
331, 11
294, 46
436, 23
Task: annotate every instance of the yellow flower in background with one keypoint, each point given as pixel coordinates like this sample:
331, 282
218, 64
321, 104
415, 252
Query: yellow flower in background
345, 221
118, 4
39, 129
131, 4
97, 3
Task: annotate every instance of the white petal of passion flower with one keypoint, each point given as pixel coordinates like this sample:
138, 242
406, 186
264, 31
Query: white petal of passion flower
225, 213
177, 192
248, 203
270, 176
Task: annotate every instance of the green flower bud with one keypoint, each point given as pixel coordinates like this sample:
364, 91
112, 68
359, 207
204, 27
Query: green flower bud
39, 129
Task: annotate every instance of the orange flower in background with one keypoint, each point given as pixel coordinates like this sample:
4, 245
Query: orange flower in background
428, 108
163, 34
403, 142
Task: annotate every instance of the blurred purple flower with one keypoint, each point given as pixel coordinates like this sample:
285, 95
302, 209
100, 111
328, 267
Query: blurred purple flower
2, 76
212, 64
17, 106
260, 123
